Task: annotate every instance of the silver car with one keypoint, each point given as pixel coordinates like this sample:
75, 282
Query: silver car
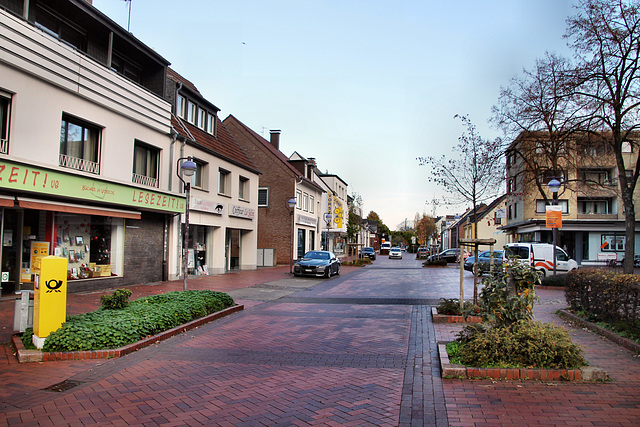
317, 263
395, 253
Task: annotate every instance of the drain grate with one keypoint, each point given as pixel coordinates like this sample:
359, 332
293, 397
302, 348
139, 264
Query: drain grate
63, 386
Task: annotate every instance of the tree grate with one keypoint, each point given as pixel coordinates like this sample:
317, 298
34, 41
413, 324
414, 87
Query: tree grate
63, 386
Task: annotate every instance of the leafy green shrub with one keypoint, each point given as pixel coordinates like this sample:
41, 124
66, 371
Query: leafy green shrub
523, 344
508, 298
117, 301
609, 296
435, 263
27, 339
106, 328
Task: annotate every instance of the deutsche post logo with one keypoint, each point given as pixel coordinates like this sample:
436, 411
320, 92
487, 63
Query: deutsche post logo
53, 285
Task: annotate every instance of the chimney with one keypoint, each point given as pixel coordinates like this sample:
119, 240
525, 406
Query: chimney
275, 138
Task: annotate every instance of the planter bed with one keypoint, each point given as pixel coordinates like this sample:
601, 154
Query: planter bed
448, 318
449, 370
25, 356
621, 341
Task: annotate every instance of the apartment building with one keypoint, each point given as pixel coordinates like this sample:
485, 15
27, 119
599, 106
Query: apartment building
592, 210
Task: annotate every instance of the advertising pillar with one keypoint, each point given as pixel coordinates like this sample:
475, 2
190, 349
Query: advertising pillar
50, 301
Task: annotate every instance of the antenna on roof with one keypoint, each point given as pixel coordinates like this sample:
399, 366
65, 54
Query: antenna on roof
129, 18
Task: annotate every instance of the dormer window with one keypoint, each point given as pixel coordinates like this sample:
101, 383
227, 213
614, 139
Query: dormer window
181, 106
211, 124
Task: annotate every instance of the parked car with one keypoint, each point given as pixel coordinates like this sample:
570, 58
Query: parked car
369, 253
395, 253
449, 255
422, 252
636, 261
317, 263
540, 257
484, 260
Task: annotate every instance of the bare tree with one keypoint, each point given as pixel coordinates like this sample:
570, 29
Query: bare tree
473, 175
605, 35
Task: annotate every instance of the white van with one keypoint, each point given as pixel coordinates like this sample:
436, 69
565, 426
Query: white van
540, 256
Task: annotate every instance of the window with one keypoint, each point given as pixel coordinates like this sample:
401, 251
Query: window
79, 145
305, 202
243, 188
600, 206
181, 106
145, 164
198, 179
202, 118
211, 124
595, 176
263, 197
510, 212
223, 181
311, 204
541, 206
54, 25
299, 199
191, 112
5, 113
126, 68
612, 242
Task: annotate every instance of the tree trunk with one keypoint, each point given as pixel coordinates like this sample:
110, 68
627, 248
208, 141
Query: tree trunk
630, 233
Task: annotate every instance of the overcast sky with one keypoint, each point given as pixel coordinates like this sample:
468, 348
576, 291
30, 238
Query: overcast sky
364, 86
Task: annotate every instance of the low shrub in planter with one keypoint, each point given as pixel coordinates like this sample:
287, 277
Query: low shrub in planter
117, 301
107, 328
451, 307
523, 344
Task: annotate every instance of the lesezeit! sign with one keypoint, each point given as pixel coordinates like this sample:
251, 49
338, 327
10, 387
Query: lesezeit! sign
17, 176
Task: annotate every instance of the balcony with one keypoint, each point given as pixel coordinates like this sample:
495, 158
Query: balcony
144, 180
79, 164
598, 216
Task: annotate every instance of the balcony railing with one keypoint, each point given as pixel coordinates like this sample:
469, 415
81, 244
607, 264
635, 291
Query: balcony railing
79, 164
4, 146
144, 180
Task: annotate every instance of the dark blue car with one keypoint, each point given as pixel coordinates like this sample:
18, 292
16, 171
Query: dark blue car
484, 265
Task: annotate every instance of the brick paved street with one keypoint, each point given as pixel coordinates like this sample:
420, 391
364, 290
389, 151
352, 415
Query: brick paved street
358, 349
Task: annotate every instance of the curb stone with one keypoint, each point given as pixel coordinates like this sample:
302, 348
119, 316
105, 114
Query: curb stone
30, 356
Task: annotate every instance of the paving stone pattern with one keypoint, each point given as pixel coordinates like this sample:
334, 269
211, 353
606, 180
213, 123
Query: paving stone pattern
357, 349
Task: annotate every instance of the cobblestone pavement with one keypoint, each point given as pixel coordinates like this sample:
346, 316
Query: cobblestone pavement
357, 349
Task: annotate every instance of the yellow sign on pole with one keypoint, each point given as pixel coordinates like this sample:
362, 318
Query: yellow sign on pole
554, 216
50, 299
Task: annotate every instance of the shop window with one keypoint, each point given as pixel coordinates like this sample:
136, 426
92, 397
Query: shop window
263, 197
243, 188
301, 243
223, 182
93, 245
79, 145
145, 164
5, 111
612, 242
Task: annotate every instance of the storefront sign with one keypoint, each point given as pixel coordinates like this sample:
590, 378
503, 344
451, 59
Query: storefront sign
334, 206
306, 220
197, 204
242, 212
16, 176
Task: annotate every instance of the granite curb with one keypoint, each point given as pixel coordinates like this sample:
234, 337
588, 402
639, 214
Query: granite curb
448, 318
29, 356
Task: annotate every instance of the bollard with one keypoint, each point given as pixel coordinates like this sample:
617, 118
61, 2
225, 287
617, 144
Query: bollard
23, 311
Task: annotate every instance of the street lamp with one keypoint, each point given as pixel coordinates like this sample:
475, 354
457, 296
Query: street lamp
292, 204
554, 187
188, 168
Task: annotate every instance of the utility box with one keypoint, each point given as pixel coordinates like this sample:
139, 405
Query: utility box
50, 302
23, 311
266, 257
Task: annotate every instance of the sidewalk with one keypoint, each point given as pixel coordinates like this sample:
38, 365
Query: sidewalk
85, 302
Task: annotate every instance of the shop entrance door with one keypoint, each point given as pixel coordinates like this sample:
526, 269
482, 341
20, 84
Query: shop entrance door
233, 249
11, 238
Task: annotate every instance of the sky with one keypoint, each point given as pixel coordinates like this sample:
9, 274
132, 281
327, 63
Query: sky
363, 86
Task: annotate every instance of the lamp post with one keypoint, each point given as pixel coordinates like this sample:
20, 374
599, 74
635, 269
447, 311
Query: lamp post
554, 187
292, 205
188, 168
327, 220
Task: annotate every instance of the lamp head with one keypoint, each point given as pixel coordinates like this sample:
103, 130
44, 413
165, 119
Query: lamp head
188, 167
554, 185
292, 202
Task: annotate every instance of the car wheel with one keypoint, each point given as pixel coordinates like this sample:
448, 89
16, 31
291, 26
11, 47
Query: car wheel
338, 271
542, 273
327, 273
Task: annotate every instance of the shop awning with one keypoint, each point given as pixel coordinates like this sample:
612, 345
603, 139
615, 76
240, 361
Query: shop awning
47, 205
7, 201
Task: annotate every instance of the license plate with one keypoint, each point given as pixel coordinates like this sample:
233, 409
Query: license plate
308, 270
